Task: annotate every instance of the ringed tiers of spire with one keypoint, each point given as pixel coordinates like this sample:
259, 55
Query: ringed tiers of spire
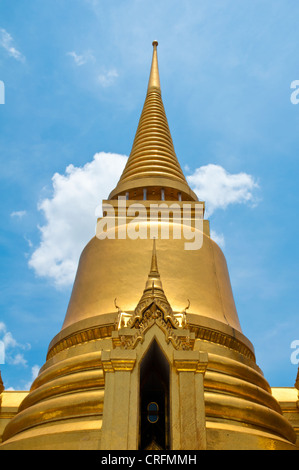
153, 162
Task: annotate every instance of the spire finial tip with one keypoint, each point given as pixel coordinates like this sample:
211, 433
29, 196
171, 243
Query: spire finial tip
155, 43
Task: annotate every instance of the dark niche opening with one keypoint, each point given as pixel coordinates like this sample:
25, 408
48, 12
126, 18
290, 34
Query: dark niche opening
154, 400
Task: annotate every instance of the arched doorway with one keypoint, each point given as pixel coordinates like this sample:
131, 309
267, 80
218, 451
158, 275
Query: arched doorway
154, 400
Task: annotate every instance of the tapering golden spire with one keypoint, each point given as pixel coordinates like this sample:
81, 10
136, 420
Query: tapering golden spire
153, 280
153, 161
154, 265
153, 287
154, 80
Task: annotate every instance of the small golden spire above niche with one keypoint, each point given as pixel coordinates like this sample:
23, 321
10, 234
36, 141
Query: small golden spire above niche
152, 308
154, 295
153, 292
153, 288
153, 280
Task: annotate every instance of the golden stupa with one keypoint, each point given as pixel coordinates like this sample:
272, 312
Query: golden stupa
151, 354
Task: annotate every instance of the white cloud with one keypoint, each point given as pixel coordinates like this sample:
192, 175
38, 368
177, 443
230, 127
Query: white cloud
70, 215
6, 41
107, 78
218, 188
70, 218
80, 59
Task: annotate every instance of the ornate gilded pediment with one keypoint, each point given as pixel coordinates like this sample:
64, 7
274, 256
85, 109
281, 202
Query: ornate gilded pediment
153, 308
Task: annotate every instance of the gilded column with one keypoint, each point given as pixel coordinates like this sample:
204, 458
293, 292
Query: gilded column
190, 367
118, 410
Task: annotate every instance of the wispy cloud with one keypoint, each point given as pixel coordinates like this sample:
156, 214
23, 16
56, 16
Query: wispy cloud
7, 42
14, 351
218, 238
92, 2
18, 360
18, 214
81, 59
30, 244
107, 78
34, 373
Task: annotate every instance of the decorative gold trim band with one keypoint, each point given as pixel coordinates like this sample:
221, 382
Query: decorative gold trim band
83, 336
201, 333
214, 336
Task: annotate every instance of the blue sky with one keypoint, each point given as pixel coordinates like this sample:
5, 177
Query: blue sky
75, 75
